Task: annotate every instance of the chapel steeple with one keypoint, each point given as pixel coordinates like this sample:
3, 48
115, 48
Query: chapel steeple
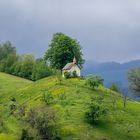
74, 60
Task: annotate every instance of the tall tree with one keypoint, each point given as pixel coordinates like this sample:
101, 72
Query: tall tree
24, 66
134, 80
41, 70
6, 49
114, 87
7, 56
62, 50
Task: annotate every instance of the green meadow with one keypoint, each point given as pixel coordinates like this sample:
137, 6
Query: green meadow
70, 100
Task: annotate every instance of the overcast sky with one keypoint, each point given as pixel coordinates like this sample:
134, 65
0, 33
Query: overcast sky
108, 30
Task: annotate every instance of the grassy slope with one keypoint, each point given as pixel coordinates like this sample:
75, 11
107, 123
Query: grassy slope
118, 125
9, 85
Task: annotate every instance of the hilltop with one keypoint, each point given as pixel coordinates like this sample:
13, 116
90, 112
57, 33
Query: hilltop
117, 125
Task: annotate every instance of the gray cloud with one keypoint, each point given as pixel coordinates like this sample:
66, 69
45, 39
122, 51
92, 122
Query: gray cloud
107, 30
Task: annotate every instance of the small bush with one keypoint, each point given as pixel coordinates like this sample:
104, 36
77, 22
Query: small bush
47, 98
114, 87
94, 81
22, 110
67, 74
74, 74
95, 111
31, 116
44, 119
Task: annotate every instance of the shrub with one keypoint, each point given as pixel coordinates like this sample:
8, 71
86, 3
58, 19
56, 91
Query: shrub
44, 120
22, 110
94, 81
12, 105
95, 110
67, 74
74, 74
114, 87
31, 116
47, 98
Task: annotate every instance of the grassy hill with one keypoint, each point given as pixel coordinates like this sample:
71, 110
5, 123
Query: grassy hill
117, 125
9, 86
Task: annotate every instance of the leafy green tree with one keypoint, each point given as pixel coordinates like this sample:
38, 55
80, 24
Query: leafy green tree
24, 66
62, 50
16, 68
9, 62
114, 87
94, 81
41, 70
134, 80
27, 66
6, 49
7, 57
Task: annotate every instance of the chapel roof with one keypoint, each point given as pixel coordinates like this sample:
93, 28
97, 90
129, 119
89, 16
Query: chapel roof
68, 66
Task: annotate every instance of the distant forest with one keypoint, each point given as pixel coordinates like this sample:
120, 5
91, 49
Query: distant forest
26, 66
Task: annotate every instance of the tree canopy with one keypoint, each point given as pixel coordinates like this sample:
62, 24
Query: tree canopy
26, 66
41, 70
94, 81
7, 56
62, 50
114, 87
6, 49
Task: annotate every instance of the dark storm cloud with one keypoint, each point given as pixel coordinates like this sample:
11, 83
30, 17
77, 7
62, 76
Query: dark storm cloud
106, 29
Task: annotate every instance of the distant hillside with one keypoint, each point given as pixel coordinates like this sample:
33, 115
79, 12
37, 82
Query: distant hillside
111, 71
70, 99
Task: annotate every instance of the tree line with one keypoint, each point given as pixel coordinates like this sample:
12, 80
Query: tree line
26, 66
62, 49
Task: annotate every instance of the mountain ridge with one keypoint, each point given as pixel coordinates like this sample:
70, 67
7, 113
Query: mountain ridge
113, 68
112, 72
